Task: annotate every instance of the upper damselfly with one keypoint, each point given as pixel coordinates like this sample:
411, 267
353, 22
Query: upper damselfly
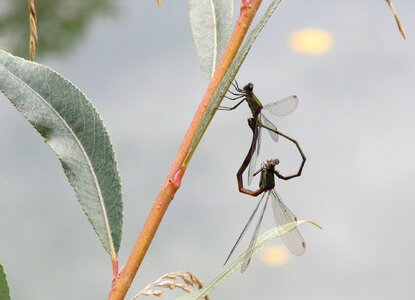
281, 107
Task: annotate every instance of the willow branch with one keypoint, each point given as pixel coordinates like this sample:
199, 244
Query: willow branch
178, 168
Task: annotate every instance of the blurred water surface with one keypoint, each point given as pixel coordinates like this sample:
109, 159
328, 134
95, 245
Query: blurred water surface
355, 121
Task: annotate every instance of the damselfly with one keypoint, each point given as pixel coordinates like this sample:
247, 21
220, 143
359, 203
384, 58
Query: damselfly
282, 215
282, 107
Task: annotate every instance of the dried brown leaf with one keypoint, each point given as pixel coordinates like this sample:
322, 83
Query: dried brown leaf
33, 29
397, 19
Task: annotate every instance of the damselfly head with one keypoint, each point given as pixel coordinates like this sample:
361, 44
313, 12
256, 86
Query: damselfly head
271, 163
249, 87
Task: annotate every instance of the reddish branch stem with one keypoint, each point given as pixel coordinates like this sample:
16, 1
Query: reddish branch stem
177, 170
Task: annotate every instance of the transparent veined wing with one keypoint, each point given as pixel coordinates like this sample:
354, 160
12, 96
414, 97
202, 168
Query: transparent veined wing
244, 230
250, 249
258, 145
283, 216
267, 123
254, 156
283, 107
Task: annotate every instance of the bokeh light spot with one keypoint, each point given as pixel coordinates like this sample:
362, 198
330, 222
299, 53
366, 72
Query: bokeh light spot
311, 41
275, 255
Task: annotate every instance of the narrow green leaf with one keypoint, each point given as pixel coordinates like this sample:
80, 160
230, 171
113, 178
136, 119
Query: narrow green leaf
72, 127
4, 288
263, 240
230, 75
211, 22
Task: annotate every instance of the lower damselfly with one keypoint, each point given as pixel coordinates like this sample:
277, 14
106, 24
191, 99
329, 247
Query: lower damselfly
282, 214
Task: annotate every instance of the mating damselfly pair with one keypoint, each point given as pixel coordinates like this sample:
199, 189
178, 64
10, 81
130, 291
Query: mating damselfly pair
282, 215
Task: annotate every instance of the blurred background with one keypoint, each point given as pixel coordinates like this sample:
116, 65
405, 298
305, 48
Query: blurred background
354, 75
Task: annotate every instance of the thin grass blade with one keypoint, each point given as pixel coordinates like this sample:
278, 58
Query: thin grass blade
71, 126
263, 240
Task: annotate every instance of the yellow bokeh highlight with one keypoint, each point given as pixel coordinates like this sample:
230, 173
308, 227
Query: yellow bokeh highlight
275, 255
311, 41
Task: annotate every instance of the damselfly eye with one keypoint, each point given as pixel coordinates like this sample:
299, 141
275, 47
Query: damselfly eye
249, 87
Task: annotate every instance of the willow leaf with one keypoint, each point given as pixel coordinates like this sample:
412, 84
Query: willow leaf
262, 241
72, 127
211, 22
4, 288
